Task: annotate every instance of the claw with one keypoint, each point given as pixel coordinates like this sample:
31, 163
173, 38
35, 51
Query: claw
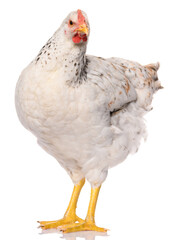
81, 227
62, 222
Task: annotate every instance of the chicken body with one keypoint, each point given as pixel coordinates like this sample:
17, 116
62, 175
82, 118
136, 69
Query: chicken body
85, 111
81, 126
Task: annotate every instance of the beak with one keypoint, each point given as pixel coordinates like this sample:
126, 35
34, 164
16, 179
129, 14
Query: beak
83, 29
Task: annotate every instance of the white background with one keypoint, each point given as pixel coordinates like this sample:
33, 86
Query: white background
137, 201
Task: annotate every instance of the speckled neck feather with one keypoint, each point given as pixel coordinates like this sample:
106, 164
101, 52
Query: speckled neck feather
60, 53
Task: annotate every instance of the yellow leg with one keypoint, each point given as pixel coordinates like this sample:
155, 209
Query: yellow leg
70, 214
89, 223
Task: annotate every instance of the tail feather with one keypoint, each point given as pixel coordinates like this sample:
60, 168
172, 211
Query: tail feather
153, 66
152, 69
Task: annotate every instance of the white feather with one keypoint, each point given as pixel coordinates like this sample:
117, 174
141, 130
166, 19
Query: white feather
85, 111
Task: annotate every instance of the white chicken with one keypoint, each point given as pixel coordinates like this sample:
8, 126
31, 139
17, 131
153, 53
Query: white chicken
86, 111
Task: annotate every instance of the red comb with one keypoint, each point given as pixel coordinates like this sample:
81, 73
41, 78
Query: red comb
81, 18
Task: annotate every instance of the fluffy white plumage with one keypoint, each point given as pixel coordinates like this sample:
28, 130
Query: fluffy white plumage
85, 111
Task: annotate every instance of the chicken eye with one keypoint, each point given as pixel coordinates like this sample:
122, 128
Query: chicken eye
71, 23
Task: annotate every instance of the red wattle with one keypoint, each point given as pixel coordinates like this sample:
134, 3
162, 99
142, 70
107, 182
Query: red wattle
84, 37
76, 38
